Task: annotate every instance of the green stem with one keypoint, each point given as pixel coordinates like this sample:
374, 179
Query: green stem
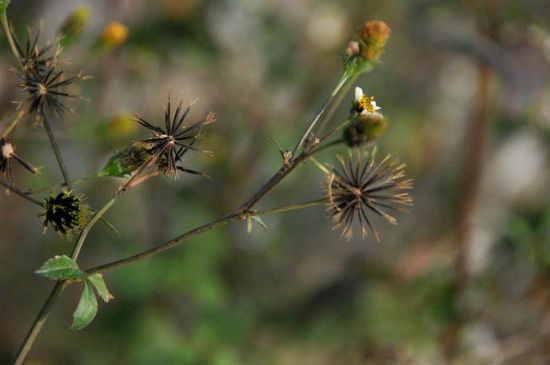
39, 322
82, 237
345, 77
288, 208
13, 124
11, 41
56, 151
332, 110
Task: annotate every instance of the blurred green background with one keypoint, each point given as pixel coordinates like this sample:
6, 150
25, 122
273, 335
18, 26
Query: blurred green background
298, 293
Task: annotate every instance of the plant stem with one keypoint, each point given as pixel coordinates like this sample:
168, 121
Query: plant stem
168, 245
330, 113
343, 80
39, 322
82, 237
19, 192
13, 124
5, 25
288, 208
56, 151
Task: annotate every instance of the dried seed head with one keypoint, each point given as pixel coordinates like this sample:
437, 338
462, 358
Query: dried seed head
168, 145
357, 189
44, 87
65, 213
7, 153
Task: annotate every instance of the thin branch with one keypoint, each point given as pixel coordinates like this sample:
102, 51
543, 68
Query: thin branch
13, 124
19, 192
56, 151
39, 322
288, 208
11, 41
345, 78
82, 237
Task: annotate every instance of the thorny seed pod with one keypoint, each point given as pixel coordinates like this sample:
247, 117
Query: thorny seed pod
7, 152
358, 188
168, 145
64, 212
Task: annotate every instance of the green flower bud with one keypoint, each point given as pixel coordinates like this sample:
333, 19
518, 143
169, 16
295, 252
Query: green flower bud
125, 162
74, 25
365, 128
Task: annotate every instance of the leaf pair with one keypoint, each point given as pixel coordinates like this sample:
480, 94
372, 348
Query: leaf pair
65, 268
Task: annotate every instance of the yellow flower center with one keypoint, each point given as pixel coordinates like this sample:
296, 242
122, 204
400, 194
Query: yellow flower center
366, 103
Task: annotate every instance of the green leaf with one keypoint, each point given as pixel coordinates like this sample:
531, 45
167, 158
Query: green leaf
60, 268
86, 309
100, 287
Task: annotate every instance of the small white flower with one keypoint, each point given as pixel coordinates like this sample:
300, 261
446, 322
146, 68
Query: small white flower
365, 104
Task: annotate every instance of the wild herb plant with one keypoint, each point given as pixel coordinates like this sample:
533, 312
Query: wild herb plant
358, 191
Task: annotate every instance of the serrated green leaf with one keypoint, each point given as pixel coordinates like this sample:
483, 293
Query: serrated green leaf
86, 309
60, 268
100, 287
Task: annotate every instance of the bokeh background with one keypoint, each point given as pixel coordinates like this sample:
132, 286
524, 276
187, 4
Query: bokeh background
465, 85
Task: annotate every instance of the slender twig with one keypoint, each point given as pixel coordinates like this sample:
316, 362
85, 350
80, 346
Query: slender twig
82, 237
58, 186
343, 80
288, 208
13, 47
39, 322
55, 148
337, 101
19, 192
13, 124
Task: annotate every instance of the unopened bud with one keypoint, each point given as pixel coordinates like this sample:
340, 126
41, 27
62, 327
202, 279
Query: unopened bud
373, 37
365, 128
114, 35
74, 25
352, 49
125, 162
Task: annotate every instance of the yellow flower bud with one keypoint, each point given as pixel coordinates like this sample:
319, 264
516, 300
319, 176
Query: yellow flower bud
373, 37
114, 35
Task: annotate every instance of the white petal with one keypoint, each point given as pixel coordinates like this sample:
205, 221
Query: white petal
358, 93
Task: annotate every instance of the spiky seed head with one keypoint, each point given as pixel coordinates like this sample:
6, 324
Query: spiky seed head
358, 190
64, 212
